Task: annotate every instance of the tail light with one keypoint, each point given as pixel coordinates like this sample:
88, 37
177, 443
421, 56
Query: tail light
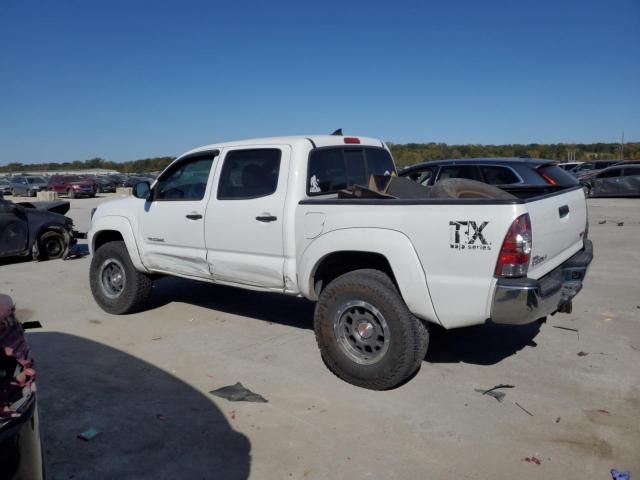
513, 260
351, 140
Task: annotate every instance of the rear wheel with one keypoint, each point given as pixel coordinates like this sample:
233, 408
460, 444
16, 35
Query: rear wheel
116, 285
365, 332
51, 245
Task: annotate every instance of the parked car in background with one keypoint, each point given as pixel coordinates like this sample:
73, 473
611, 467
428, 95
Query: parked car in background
20, 445
27, 185
587, 168
72, 185
132, 180
569, 165
39, 229
101, 183
616, 181
5, 186
493, 171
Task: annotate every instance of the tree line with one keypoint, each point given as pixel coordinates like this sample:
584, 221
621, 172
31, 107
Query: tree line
412, 153
404, 154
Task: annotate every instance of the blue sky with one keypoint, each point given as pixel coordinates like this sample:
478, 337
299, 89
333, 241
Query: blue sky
132, 79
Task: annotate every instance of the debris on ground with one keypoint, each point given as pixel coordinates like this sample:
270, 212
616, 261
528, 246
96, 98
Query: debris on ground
603, 411
90, 434
238, 393
582, 354
524, 409
499, 396
602, 222
558, 420
568, 328
156, 338
232, 414
532, 460
620, 224
160, 416
618, 475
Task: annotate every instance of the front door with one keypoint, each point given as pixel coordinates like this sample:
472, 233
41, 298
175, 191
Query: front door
171, 223
244, 225
14, 233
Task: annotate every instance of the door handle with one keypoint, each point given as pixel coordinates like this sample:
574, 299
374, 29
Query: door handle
266, 218
193, 216
563, 211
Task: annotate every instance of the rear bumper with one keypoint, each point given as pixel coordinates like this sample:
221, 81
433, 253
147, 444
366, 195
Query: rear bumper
519, 301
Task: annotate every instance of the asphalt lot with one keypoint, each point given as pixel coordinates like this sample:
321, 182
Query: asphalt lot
144, 381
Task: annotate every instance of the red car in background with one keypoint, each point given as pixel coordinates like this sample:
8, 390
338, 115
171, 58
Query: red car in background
72, 185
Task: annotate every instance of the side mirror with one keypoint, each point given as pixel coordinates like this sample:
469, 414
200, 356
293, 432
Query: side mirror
142, 190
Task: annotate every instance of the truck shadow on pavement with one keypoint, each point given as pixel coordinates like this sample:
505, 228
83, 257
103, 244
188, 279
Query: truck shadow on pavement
482, 345
154, 425
486, 344
270, 307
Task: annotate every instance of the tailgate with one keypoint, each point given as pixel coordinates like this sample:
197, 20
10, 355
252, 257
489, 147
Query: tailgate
558, 224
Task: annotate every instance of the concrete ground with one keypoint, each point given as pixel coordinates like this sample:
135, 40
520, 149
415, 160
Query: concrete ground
143, 380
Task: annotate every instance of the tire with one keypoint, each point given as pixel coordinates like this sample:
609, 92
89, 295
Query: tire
52, 245
129, 295
99, 189
71, 193
463, 188
361, 302
14, 193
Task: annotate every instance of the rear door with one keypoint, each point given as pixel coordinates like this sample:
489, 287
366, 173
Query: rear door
244, 224
630, 184
558, 224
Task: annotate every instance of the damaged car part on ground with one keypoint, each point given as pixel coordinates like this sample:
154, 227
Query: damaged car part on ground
20, 445
39, 229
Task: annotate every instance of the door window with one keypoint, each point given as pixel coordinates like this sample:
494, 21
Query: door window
458, 171
423, 177
251, 173
615, 172
186, 180
631, 171
496, 175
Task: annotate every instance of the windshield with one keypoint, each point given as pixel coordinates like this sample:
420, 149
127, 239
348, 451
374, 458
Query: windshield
36, 180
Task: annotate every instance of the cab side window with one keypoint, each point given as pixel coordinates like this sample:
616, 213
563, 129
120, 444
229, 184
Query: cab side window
251, 173
186, 180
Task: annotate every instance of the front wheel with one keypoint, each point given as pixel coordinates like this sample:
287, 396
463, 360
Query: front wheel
366, 334
116, 285
52, 245
71, 193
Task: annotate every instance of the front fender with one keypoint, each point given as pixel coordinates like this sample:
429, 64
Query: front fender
393, 245
121, 225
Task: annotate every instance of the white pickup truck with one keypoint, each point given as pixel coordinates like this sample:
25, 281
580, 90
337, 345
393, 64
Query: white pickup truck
265, 215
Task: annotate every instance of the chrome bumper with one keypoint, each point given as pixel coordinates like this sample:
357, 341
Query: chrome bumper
518, 301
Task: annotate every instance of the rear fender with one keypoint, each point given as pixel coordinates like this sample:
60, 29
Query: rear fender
393, 245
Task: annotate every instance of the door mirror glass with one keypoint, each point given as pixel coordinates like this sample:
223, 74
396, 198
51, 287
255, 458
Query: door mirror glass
142, 190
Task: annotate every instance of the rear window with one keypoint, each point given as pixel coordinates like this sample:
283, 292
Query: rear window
554, 175
333, 169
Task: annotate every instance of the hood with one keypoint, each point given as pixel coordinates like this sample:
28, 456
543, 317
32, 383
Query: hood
55, 206
17, 387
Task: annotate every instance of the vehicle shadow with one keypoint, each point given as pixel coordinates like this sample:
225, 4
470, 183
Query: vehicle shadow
154, 425
270, 307
482, 345
485, 344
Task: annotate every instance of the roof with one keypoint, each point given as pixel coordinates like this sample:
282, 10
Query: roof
534, 162
310, 140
